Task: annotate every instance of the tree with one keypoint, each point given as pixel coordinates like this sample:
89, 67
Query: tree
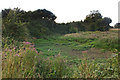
106, 22
14, 28
17, 10
94, 21
93, 16
103, 24
5, 12
91, 20
117, 25
92, 27
42, 14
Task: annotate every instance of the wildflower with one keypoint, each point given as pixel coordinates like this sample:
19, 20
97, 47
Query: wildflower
14, 48
10, 50
34, 49
17, 55
5, 49
36, 52
5, 54
27, 43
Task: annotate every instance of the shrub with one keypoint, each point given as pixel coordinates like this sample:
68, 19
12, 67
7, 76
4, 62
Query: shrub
21, 60
107, 43
93, 69
73, 29
49, 68
38, 29
14, 28
18, 59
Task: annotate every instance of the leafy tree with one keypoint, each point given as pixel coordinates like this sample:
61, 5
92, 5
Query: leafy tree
14, 28
5, 12
117, 25
40, 14
103, 24
47, 14
93, 16
94, 21
91, 20
106, 22
92, 27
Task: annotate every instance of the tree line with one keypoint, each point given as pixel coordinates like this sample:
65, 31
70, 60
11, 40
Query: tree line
41, 22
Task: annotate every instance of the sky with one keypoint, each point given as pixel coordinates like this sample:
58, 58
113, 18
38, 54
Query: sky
67, 10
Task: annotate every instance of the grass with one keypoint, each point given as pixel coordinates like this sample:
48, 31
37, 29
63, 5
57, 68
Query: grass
76, 55
76, 43
18, 61
76, 46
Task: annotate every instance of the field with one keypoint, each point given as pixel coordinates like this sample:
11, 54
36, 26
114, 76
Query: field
34, 45
77, 44
77, 55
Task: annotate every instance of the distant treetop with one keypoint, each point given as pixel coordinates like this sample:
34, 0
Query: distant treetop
117, 25
37, 14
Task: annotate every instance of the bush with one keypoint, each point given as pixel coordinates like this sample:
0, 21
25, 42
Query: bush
49, 68
93, 69
14, 28
38, 29
19, 59
22, 60
107, 43
73, 29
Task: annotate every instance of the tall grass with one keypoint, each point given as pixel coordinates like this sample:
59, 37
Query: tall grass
18, 61
92, 69
105, 40
52, 67
21, 60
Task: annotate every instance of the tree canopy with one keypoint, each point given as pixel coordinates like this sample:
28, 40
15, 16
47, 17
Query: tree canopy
94, 21
30, 15
41, 22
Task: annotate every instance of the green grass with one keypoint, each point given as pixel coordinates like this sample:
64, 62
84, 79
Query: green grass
79, 46
72, 45
78, 55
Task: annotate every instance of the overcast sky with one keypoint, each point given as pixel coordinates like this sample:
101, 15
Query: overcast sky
67, 10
